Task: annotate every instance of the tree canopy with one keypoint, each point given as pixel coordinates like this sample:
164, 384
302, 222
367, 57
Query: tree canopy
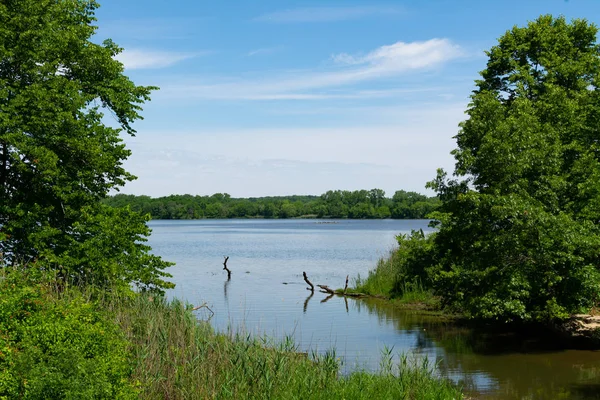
358, 204
58, 159
519, 230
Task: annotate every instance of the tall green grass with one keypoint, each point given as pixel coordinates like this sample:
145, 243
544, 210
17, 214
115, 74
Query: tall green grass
164, 352
386, 280
381, 279
402, 275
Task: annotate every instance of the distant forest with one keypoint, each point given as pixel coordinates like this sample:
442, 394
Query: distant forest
359, 204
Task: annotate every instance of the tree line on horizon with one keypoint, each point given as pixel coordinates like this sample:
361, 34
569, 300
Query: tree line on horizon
358, 204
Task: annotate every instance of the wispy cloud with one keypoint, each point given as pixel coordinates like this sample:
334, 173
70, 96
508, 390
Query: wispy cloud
326, 14
152, 59
335, 82
407, 147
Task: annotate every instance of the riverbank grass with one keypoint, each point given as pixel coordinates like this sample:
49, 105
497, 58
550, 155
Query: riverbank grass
387, 280
84, 343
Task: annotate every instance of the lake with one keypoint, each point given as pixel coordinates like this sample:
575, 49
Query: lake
267, 295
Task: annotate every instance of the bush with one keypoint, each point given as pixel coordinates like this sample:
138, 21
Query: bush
55, 346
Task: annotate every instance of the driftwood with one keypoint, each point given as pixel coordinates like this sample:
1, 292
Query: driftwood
326, 289
204, 305
331, 292
312, 287
225, 266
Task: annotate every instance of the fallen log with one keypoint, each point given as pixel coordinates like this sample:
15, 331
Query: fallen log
339, 292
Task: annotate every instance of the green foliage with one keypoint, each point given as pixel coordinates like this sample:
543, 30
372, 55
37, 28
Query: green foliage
359, 204
55, 346
403, 274
80, 342
57, 158
519, 235
177, 357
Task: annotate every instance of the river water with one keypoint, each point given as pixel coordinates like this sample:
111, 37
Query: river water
266, 295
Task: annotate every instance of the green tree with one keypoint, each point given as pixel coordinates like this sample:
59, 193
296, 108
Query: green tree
519, 235
58, 159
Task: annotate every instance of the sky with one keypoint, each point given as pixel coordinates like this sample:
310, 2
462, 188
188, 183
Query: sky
267, 98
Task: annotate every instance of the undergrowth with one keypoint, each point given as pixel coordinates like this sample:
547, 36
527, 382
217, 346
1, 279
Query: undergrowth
68, 342
402, 275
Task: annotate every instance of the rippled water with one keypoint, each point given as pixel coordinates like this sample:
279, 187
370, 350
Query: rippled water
267, 295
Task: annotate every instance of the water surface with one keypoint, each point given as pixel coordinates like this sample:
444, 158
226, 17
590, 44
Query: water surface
267, 295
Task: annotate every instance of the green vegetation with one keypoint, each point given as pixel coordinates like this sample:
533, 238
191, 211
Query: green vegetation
71, 325
84, 343
58, 344
359, 204
401, 275
57, 157
519, 235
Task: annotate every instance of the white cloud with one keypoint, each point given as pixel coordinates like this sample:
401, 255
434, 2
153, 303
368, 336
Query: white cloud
402, 56
325, 14
384, 62
151, 59
403, 153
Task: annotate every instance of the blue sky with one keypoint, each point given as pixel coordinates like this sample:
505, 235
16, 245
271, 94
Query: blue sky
263, 98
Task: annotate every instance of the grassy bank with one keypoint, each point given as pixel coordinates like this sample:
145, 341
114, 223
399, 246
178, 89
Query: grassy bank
65, 342
394, 278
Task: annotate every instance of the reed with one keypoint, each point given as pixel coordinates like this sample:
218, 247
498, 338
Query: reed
172, 355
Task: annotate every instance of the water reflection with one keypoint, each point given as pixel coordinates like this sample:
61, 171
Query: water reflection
225, 286
312, 293
492, 364
326, 299
498, 364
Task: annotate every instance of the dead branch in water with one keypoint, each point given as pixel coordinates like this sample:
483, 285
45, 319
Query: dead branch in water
346, 287
326, 289
312, 287
225, 266
204, 305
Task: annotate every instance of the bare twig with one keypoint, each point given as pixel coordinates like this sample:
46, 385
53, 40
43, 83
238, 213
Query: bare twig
204, 305
346, 287
225, 266
326, 289
312, 287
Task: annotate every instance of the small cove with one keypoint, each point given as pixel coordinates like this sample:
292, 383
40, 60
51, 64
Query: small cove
267, 295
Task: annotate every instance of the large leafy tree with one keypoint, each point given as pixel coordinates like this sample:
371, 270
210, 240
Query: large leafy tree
58, 158
519, 236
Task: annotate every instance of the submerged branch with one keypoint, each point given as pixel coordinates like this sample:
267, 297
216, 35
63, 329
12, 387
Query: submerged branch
312, 287
225, 267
